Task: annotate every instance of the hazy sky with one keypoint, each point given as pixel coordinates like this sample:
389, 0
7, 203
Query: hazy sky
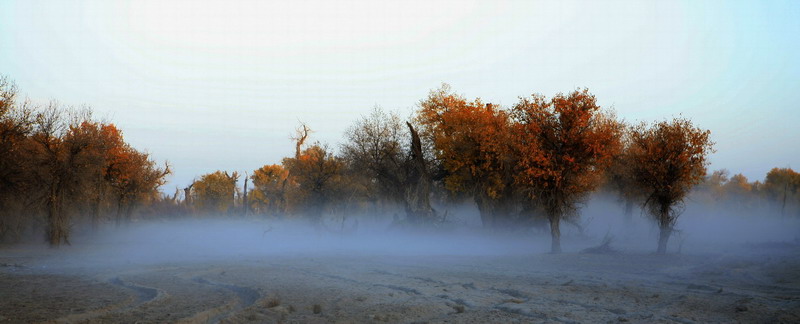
214, 85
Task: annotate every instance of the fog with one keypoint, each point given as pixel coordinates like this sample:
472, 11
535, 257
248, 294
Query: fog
700, 229
722, 265
225, 240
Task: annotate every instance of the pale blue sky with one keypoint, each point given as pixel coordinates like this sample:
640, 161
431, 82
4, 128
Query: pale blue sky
214, 85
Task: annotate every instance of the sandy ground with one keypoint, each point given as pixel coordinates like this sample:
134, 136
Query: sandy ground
758, 284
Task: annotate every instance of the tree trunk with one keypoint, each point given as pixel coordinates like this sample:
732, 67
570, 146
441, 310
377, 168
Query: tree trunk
555, 234
187, 195
316, 209
628, 211
120, 211
280, 208
503, 212
663, 238
96, 206
485, 209
418, 185
665, 228
783, 205
56, 224
129, 211
53, 230
417, 201
245, 204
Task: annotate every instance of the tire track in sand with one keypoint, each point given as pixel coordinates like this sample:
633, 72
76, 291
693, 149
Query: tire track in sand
140, 295
245, 297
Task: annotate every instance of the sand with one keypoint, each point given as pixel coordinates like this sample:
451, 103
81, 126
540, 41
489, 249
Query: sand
758, 284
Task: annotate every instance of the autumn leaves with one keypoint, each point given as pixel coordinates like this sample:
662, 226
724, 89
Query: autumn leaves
58, 164
549, 154
545, 153
536, 160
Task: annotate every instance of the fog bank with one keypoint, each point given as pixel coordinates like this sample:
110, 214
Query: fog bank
700, 230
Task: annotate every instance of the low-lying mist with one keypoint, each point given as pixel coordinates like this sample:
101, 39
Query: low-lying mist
204, 240
699, 230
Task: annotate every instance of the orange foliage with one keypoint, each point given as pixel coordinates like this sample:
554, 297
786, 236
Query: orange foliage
315, 175
269, 194
132, 174
471, 139
782, 185
472, 142
214, 192
565, 144
668, 159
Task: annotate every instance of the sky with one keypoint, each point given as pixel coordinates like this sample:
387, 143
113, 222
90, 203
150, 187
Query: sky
221, 85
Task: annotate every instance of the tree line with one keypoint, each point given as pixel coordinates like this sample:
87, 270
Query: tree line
531, 164
778, 193
59, 166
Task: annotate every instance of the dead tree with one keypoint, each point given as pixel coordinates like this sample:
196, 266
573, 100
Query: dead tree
301, 134
245, 204
232, 178
418, 184
174, 197
187, 195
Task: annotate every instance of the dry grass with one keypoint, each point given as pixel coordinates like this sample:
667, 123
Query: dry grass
273, 302
603, 248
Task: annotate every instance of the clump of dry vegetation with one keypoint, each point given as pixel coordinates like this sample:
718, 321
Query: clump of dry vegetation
273, 302
603, 248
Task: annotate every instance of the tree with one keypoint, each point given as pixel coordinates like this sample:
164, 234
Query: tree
619, 176
57, 162
269, 192
669, 158
187, 197
781, 186
245, 196
104, 144
135, 178
738, 185
739, 192
215, 192
418, 184
714, 184
15, 127
387, 160
565, 143
472, 141
317, 173
377, 146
